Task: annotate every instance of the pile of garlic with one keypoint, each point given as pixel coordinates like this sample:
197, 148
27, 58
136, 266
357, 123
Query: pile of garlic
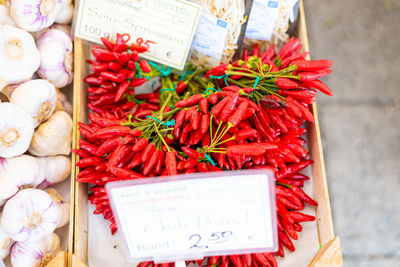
36, 60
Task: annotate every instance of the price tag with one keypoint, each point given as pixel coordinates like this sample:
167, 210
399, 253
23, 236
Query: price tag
167, 26
262, 19
210, 36
193, 216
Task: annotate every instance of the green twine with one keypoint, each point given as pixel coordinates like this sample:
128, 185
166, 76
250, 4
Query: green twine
164, 71
168, 123
209, 89
256, 82
185, 74
220, 77
209, 159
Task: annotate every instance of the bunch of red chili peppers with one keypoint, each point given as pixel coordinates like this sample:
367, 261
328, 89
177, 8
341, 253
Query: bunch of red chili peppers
244, 115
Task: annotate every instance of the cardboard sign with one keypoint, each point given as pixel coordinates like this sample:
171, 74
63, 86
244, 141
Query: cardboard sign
167, 26
193, 216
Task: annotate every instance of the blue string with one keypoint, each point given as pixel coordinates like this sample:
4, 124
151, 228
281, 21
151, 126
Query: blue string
210, 89
209, 159
220, 77
256, 82
185, 74
164, 71
168, 123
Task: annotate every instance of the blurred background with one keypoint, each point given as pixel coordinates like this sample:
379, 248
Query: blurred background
360, 125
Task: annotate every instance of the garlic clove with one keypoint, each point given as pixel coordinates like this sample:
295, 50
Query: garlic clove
53, 137
35, 15
5, 18
57, 169
62, 204
37, 253
36, 97
30, 215
16, 130
56, 58
19, 56
14, 178
66, 13
5, 243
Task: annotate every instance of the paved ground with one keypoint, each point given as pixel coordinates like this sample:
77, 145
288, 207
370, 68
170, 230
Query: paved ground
361, 124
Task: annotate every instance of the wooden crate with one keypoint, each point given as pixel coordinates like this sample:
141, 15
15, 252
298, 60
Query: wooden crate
78, 247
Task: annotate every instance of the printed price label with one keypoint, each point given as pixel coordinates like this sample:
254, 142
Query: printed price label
210, 36
262, 19
168, 26
192, 216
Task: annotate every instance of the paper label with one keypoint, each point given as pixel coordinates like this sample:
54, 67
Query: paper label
262, 20
167, 25
210, 36
195, 216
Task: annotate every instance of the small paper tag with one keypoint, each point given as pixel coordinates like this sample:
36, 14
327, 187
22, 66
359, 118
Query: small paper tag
262, 19
210, 36
167, 25
192, 216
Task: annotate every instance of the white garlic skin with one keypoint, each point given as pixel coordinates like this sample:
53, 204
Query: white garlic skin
19, 56
37, 253
30, 215
63, 104
66, 13
5, 18
16, 130
56, 57
57, 169
62, 204
53, 137
17, 173
5, 244
36, 97
35, 15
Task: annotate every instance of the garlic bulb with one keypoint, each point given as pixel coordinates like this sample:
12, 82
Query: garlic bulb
5, 18
56, 168
66, 13
62, 204
56, 58
16, 130
30, 215
37, 97
63, 104
35, 254
18, 173
53, 137
5, 243
35, 15
19, 56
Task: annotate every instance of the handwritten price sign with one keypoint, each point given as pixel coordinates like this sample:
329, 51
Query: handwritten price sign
194, 216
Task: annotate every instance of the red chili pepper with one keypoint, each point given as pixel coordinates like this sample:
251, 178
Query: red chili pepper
125, 174
170, 163
109, 145
252, 149
148, 151
303, 196
112, 131
216, 110
192, 100
237, 116
122, 89
314, 65
190, 152
149, 164
138, 81
317, 84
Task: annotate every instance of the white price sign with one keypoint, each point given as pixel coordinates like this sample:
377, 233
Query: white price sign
167, 26
193, 216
